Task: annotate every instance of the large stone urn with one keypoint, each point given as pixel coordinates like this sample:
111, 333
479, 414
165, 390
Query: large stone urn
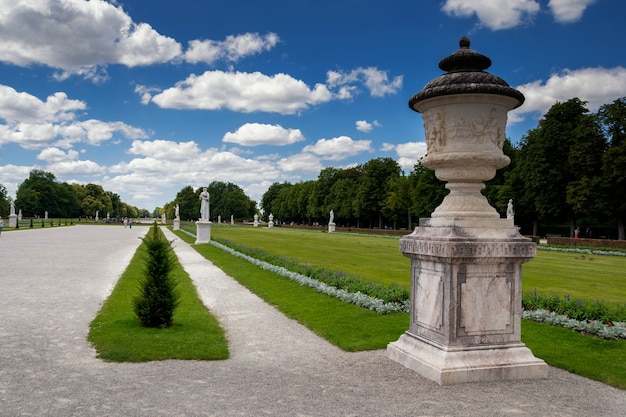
466, 261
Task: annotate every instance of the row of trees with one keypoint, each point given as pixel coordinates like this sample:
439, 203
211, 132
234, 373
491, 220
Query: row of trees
226, 199
41, 192
570, 170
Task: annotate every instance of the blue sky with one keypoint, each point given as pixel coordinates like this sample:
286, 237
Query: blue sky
146, 97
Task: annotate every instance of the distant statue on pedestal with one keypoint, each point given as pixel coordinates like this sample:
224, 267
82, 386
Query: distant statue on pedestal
19, 215
12, 208
509, 210
332, 217
177, 212
46, 215
204, 205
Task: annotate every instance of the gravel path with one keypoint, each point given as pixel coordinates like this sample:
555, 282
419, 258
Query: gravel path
53, 281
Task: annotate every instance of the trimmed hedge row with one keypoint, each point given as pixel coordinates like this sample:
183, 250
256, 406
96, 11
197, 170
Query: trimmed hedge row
595, 243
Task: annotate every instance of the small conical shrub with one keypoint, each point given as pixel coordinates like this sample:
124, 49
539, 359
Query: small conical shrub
158, 298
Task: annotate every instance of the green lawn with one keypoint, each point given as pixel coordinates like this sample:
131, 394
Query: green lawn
594, 277
373, 258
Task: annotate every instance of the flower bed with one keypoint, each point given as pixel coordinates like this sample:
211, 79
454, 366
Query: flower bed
610, 330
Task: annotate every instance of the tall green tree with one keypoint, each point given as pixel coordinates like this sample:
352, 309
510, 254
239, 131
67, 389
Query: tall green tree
373, 187
398, 205
560, 161
4, 201
613, 119
38, 194
188, 203
229, 199
67, 202
427, 191
270, 197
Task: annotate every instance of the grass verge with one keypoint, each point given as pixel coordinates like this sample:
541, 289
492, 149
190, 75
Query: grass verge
591, 357
347, 326
118, 336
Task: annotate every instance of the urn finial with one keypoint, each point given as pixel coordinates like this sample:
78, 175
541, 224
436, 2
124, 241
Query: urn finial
465, 74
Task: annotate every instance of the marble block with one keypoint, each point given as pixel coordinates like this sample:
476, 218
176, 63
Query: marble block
203, 231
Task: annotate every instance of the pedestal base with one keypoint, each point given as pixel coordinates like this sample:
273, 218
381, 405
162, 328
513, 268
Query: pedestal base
203, 231
176, 224
487, 363
12, 220
331, 227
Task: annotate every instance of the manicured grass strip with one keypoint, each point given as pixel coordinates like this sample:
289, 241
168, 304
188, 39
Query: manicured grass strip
591, 357
118, 335
592, 277
376, 259
349, 327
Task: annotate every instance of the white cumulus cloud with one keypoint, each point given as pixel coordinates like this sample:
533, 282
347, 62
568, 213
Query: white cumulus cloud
253, 134
376, 81
597, 86
78, 36
232, 48
494, 14
567, 11
338, 148
304, 162
242, 92
365, 126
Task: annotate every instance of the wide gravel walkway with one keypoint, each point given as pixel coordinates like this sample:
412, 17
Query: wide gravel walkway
53, 281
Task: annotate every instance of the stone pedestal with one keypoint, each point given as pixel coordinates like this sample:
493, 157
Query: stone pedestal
12, 220
466, 302
203, 231
176, 224
331, 227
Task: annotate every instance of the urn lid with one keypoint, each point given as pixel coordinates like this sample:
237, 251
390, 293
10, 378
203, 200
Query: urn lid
465, 75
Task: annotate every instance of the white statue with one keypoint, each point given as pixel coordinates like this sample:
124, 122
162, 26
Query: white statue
509, 210
204, 205
19, 215
177, 212
332, 217
12, 208
46, 215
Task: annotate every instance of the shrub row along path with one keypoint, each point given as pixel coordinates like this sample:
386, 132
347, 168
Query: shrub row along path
53, 281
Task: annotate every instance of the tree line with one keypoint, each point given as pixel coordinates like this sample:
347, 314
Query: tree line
570, 170
41, 193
